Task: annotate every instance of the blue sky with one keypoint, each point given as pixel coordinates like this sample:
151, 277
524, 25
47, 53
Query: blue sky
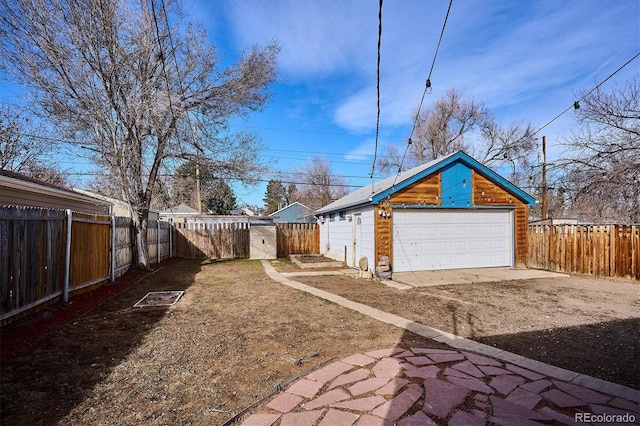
524, 59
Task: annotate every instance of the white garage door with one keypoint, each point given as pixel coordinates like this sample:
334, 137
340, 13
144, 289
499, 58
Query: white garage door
451, 239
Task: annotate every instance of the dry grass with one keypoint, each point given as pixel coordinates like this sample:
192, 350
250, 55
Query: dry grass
583, 324
234, 336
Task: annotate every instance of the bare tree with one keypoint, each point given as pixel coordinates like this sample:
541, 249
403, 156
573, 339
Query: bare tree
116, 75
318, 185
603, 158
456, 123
24, 149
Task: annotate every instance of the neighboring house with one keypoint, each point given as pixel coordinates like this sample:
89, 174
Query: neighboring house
450, 213
181, 212
294, 213
19, 190
185, 214
119, 207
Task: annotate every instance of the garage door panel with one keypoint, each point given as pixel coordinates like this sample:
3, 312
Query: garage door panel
452, 239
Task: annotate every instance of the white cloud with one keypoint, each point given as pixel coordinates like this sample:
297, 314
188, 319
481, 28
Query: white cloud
315, 37
543, 50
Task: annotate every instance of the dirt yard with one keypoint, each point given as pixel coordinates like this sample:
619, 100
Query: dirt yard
583, 324
226, 344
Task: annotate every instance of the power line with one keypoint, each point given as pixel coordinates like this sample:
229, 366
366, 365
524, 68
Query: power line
576, 104
427, 88
375, 151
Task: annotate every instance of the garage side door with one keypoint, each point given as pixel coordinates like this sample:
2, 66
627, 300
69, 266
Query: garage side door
451, 239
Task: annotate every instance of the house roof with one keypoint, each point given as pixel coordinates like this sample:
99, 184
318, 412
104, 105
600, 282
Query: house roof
373, 194
179, 209
106, 198
20, 190
292, 205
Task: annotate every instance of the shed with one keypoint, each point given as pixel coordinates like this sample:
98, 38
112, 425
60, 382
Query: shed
450, 213
20, 190
295, 212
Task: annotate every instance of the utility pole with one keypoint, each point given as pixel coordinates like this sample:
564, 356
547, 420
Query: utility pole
544, 177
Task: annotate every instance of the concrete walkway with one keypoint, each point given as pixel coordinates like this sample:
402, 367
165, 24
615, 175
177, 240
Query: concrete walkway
471, 276
470, 384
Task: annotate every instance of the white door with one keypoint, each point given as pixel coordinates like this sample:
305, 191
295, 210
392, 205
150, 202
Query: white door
357, 239
426, 240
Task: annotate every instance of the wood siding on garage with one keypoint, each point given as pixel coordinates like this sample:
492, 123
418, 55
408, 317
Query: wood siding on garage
488, 193
424, 192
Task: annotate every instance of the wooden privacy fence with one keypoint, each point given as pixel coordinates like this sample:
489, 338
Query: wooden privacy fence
604, 250
297, 238
39, 262
232, 240
217, 240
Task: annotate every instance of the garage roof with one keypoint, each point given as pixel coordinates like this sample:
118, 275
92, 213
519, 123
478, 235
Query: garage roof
373, 194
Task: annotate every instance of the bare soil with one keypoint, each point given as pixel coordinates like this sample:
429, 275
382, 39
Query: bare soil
313, 259
226, 344
583, 324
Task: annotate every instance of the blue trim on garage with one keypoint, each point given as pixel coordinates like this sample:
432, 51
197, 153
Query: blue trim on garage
458, 157
456, 185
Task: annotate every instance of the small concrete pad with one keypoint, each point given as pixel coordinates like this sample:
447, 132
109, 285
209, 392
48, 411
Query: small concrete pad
470, 276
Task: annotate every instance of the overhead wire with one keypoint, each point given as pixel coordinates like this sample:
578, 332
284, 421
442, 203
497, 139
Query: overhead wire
375, 151
576, 104
427, 86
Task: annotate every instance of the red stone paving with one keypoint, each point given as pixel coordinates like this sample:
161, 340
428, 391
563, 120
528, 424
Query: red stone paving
354, 376
524, 398
419, 361
338, 418
369, 420
524, 372
308, 418
441, 397
387, 367
261, 419
393, 387
468, 368
418, 419
562, 399
506, 384
537, 386
361, 404
359, 359
394, 408
582, 393
285, 402
305, 387
462, 418
368, 385
462, 388
330, 397
330, 372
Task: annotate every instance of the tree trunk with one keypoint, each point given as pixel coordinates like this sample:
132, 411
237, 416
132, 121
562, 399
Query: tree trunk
140, 236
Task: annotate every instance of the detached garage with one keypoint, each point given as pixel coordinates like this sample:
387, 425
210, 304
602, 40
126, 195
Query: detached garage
451, 213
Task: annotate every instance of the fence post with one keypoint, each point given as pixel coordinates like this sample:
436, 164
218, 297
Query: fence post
67, 259
170, 240
112, 273
158, 241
